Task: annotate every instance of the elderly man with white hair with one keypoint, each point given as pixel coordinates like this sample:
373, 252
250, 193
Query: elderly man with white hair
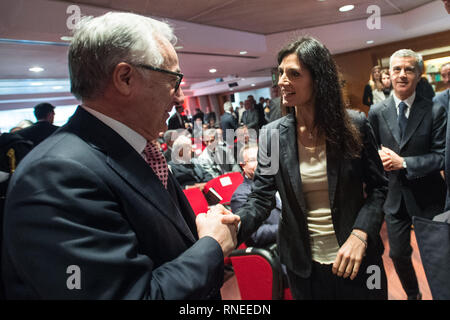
93, 211
410, 131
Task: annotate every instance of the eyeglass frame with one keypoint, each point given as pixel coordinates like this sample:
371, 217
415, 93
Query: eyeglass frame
179, 75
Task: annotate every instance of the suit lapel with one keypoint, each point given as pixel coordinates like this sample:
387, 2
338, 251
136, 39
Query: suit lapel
415, 117
289, 152
128, 164
390, 116
333, 167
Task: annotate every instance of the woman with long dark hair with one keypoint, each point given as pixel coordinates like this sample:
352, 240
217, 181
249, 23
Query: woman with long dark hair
330, 179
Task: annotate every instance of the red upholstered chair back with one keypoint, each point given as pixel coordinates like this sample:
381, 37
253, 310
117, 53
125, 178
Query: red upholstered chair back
225, 185
258, 274
196, 200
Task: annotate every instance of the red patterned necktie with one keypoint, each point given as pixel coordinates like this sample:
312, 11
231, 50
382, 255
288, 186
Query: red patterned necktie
157, 161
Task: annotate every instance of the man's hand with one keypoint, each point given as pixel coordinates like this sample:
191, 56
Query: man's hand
221, 225
350, 255
391, 160
228, 216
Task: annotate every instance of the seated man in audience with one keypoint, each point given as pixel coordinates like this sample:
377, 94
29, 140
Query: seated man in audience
185, 169
266, 235
217, 158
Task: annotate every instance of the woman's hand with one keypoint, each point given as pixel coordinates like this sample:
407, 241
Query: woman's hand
350, 255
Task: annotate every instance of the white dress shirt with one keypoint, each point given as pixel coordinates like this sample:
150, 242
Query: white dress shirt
136, 141
409, 102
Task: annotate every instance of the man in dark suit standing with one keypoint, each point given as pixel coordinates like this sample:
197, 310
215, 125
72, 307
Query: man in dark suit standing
93, 212
410, 130
250, 117
443, 98
228, 121
177, 120
45, 114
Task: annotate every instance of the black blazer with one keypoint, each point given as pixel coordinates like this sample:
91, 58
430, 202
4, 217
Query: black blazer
85, 197
420, 185
174, 123
38, 131
349, 208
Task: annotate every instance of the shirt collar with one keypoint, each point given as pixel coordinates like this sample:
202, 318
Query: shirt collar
409, 101
136, 141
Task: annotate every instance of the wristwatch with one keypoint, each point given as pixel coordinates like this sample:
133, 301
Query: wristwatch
404, 164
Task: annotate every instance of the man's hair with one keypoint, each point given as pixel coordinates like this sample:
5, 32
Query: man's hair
408, 53
42, 110
227, 106
100, 43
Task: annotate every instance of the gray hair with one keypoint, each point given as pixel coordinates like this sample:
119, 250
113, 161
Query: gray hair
409, 53
181, 143
100, 43
228, 106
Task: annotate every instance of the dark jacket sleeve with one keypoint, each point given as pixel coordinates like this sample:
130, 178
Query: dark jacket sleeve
371, 216
367, 96
262, 198
424, 164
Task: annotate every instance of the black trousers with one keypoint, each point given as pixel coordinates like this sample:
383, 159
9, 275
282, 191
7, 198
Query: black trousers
399, 234
369, 284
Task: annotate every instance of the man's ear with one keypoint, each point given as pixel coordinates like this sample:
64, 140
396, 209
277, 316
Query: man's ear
123, 78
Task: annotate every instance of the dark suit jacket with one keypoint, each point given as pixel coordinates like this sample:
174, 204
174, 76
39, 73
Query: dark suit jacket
85, 197
174, 123
227, 121
189, 174
443, 98
420, 185
349, 208
251, 119
38, 132
266, 234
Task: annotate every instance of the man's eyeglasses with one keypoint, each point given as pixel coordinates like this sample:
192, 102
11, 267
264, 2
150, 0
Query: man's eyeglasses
178, 75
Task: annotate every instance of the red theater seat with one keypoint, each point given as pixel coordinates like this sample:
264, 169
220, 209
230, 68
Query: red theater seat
258, 274
225, 185
196, 200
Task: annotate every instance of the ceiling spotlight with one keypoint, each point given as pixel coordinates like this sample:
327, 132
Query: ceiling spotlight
212, 70
346, 8
66, 38
370, 41
57, 87
36, 69
243, 52
253, 84
36, 84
